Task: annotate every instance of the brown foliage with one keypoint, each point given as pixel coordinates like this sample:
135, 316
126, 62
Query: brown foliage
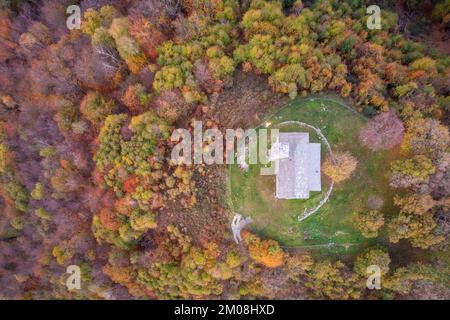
204, 77
146, 35
124, 206
6, 45
109, 219
131, 99
121, 275
171, 105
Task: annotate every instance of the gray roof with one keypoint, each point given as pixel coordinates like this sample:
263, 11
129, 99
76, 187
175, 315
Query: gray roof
298, 174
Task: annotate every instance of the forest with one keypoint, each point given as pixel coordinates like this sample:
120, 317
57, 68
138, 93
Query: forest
86, 117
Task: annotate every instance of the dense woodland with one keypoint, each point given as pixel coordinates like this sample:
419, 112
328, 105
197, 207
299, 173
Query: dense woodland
85, 123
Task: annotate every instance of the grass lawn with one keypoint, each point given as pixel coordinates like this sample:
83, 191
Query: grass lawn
330, 230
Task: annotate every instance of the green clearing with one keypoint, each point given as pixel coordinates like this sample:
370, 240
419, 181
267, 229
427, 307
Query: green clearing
330, 229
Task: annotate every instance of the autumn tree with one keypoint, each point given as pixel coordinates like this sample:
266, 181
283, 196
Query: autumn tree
372, 256
423, 68
66, 180
383, 132
298, 265
263, 18
419, 229
98, 19
260, 52
66, 115
146, 35
266, 252
37, 38
5, 155
171, 105
63, 252
414, 203
369, 222
426, 137
6, 44
203, 76
331, 281
403, 279
289, 79
128, 48
18, 194
136, 98
207, 43
440, 11
109, 219
219, 64
410, 172
38, 192
415, 221
191, 271
339, 166
96, 107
